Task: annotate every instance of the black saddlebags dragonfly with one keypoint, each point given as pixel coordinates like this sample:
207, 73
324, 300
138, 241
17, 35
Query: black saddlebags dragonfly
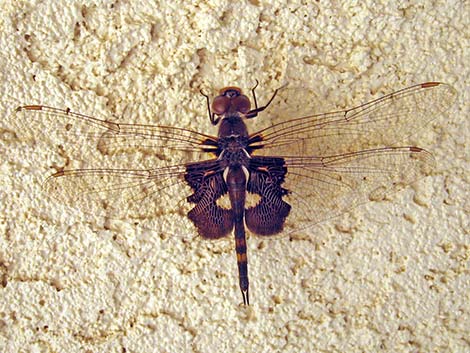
303, 170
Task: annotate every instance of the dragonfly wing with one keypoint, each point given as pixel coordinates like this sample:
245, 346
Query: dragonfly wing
382, 122
135, 196
105, 143
324, 187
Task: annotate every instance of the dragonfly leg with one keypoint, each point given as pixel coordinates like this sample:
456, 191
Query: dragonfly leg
254, 112
212, 118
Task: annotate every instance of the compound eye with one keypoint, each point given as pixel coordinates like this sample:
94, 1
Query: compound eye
220, 105
242, 104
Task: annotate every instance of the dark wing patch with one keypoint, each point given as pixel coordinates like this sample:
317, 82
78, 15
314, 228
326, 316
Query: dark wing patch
206, 180
266, 176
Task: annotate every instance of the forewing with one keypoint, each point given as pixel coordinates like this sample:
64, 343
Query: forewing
382, 122
84, 138
324, 187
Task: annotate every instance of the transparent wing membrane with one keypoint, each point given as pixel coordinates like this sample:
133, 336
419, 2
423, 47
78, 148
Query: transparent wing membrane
383, 122
325, 187
85, 135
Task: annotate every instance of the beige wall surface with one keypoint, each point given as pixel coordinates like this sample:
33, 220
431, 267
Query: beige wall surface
389, 276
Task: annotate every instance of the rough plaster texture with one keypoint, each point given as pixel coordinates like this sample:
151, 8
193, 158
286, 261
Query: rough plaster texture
390, 276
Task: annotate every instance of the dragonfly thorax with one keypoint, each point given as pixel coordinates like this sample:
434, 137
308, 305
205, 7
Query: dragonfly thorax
234, 150
232, 125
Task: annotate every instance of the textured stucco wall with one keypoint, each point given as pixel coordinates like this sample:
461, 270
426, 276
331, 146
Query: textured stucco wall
390, 276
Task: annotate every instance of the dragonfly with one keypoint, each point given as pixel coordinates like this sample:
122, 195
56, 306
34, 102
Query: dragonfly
292, 174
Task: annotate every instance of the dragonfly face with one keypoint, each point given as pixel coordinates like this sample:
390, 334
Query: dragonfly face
302, 170
230, 101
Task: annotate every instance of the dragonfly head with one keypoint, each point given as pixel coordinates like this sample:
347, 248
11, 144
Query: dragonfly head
230, 100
